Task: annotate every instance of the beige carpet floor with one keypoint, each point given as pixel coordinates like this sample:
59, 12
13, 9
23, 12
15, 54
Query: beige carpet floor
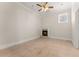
43, 47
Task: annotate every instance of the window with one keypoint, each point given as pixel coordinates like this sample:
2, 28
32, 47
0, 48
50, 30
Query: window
63, 18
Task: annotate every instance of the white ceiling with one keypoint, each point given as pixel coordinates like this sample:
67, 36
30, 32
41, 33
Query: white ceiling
58, 6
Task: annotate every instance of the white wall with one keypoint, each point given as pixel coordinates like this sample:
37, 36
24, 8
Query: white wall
18, 24
75, 24
29, 24
61, 31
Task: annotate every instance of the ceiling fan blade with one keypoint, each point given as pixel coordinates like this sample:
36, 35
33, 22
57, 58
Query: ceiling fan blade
46, 3
38, 5
51, 7
39, 9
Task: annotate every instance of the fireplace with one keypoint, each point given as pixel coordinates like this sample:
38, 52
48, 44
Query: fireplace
44, 32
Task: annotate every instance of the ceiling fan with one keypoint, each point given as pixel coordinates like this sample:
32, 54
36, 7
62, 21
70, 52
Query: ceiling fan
44, 7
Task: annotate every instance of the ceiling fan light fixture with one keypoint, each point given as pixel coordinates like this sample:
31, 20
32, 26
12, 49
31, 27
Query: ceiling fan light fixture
46, 9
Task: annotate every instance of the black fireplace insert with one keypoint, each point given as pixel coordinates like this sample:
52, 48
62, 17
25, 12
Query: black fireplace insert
44, 32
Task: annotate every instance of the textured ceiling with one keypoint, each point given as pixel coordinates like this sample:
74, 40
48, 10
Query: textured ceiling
58, 6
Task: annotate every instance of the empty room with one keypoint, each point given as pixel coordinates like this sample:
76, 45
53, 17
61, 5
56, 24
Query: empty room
39, 29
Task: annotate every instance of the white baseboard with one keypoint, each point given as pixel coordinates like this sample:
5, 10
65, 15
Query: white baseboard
61, 38
16, 43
